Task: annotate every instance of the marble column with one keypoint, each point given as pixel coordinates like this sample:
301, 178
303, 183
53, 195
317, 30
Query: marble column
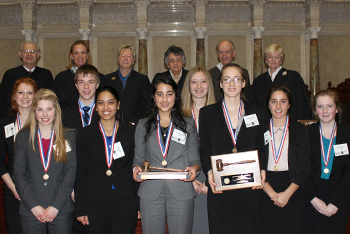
30, 35
258, 56
85, 34
200, 50
142, 58
30, 10
314, 62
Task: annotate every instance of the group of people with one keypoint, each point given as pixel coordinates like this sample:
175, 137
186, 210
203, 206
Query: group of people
75, 146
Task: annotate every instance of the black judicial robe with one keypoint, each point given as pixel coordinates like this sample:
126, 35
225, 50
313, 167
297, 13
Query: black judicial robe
135, 96
65, 89
180, 85
300, 105
41, 76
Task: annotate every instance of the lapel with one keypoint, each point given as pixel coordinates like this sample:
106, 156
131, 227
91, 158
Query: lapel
98, 138
293, 139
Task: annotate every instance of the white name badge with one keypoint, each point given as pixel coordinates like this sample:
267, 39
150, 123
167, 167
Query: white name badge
118, 151
9, 130
341, 149
251, 120
68, 149
179, 136
267, 137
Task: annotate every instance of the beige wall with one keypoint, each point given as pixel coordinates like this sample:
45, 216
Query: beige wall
291, 46
9, 54
334, 57
160, 46
240, 45
107, 48
55, 53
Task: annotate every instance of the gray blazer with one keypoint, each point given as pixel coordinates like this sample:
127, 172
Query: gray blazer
179, 156
28, 176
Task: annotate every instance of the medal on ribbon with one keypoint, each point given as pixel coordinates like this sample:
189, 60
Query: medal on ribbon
277, 155
327, 156
109, 152
90, 117
233, 133
194, 117
164, 148
45, 160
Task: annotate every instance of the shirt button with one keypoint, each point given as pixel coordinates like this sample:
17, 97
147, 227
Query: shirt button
45, 183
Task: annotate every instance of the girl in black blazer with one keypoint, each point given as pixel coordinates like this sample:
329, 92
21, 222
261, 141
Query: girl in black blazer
235, 210
44, 168
328, 186
23, 93
105, 196
288, 148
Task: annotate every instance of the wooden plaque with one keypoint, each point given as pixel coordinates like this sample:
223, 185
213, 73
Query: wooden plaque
236, 170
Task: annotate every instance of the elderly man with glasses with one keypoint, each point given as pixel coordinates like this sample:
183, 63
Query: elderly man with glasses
29, 53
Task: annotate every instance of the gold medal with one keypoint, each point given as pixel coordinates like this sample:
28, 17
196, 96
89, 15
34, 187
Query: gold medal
164, 163
45, 176
276, 168
326, 170
108, 172
234, 150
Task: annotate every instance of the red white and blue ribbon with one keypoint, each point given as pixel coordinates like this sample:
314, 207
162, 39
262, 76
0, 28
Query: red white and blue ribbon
81, 114
46, 160
108, 152
18, 122
164, 148
277, 155
327, 156
233, 133
194, 117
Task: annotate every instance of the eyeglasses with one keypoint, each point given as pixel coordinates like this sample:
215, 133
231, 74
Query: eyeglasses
29, 51
235, 80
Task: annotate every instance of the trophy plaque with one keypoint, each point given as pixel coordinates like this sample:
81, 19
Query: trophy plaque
236, 170
158, 173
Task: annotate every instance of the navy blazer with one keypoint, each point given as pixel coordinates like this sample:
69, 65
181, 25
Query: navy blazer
28, 176
92, 183
340, 174
215, 138
299, 152
134, 97
71, 117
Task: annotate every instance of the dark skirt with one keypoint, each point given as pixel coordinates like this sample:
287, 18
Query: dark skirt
315, 222
282, 220
235, 211
200, 217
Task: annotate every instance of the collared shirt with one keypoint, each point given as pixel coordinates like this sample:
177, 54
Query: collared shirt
124, 79
81, 105
283, 161
220, 66
273, 76
28, 70
73, 69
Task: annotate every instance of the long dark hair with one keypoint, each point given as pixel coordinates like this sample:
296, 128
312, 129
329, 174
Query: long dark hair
175, 113
112, 91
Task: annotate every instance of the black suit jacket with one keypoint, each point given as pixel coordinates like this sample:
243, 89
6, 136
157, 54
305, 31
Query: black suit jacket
135, 96
300, 104
340, 174
92, 183
71, 117
65, 89
42, 77
180, 85
6, 146
299, 152
215, 138
215, 72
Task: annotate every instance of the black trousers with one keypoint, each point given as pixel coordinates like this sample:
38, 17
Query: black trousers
11, 208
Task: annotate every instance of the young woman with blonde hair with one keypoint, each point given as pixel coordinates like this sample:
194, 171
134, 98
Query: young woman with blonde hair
44, 168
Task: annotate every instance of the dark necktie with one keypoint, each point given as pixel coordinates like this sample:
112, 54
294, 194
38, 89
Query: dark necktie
86, 115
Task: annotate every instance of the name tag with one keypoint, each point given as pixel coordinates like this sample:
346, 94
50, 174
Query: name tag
179, 136
341, 149
68, 149
267, 137
118, 151
251, 120
9, 130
